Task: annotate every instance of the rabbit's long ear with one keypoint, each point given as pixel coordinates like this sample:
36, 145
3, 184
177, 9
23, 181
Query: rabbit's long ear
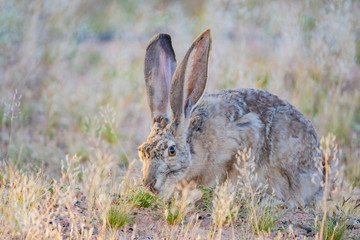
190, 77
160, 64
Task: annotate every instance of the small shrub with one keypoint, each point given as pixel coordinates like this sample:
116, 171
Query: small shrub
118, 216
263, 218
176, 210
334, 228
141, 198
337, 219
208, 196
172, 215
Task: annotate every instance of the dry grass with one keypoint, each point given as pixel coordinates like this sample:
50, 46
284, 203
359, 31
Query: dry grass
72, 88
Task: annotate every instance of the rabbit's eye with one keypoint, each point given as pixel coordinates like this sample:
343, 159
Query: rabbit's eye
172, 151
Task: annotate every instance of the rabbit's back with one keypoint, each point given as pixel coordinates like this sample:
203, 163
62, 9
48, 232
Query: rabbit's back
283, 141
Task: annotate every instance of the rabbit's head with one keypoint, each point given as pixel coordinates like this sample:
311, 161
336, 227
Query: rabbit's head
166, 155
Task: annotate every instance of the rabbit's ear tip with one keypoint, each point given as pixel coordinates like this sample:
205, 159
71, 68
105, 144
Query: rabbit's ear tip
206, 33
159, 37
163, 36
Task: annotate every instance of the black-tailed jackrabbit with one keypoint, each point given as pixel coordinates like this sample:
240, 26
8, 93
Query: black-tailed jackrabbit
200, 140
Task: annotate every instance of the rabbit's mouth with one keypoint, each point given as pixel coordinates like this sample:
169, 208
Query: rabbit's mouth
153, 189
151, 186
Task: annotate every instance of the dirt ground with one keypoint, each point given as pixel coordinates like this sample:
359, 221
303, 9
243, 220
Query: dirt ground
147, 223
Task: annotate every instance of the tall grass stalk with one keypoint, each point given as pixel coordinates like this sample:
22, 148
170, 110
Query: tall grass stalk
225, 207
329, 152
12, 111
262, 215
247, 177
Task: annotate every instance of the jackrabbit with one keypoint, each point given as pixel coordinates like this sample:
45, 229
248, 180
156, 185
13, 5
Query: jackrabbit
200, 140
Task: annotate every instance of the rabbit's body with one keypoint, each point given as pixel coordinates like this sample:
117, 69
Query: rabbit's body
283, 141
200, 142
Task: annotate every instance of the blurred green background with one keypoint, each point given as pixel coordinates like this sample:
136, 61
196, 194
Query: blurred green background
71, 72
